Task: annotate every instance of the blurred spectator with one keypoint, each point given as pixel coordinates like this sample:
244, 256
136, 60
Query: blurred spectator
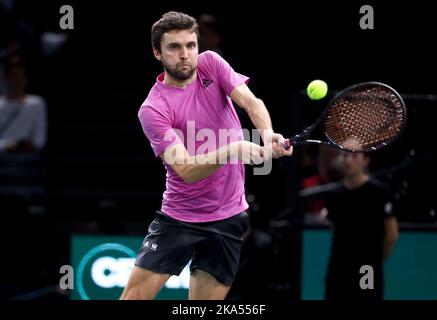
211, 34
212, 37
320, 167
327, 164
364, 228
6, 52
23, 119
23, 129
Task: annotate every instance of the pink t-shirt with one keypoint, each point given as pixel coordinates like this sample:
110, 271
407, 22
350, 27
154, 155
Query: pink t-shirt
173, 115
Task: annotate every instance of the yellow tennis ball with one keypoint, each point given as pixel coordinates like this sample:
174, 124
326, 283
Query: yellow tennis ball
317, 89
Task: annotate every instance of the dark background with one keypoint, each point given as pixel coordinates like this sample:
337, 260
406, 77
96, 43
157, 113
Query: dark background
100, 173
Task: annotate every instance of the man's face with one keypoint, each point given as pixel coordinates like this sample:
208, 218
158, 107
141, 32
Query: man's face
16, 79
353, 163
179, 53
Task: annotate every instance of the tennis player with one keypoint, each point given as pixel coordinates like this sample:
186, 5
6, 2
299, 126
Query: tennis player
202, 218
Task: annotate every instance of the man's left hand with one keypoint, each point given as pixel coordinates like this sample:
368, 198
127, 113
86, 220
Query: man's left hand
277, 146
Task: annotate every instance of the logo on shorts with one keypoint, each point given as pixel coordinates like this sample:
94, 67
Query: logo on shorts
152, 246
206, 83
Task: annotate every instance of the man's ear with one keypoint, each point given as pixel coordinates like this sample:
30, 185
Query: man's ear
157, 54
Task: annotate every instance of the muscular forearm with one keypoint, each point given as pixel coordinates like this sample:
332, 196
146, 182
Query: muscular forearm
260, 118
194, 168
201, 166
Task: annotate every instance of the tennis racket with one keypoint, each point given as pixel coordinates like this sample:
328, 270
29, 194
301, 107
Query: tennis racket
361, 118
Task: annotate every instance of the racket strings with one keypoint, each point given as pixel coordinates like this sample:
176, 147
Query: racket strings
370, 116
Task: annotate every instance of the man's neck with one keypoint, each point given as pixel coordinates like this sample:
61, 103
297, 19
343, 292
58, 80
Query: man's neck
354, 182
169, 80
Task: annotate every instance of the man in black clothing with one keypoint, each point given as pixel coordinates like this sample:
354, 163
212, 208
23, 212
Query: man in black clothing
364, 231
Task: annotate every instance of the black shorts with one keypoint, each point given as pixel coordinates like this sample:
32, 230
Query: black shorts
213, 247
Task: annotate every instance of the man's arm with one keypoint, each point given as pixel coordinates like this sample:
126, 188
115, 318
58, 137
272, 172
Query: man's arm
260, 118
391, 235
194, 168
255, 108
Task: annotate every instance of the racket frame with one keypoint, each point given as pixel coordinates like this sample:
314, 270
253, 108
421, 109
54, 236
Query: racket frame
297, 139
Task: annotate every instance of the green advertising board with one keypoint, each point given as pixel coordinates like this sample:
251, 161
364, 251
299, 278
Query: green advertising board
103, 264
410, 272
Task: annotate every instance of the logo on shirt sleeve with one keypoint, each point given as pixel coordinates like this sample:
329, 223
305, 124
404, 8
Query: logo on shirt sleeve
206, 83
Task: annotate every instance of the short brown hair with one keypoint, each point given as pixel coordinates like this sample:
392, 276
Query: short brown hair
172, 20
